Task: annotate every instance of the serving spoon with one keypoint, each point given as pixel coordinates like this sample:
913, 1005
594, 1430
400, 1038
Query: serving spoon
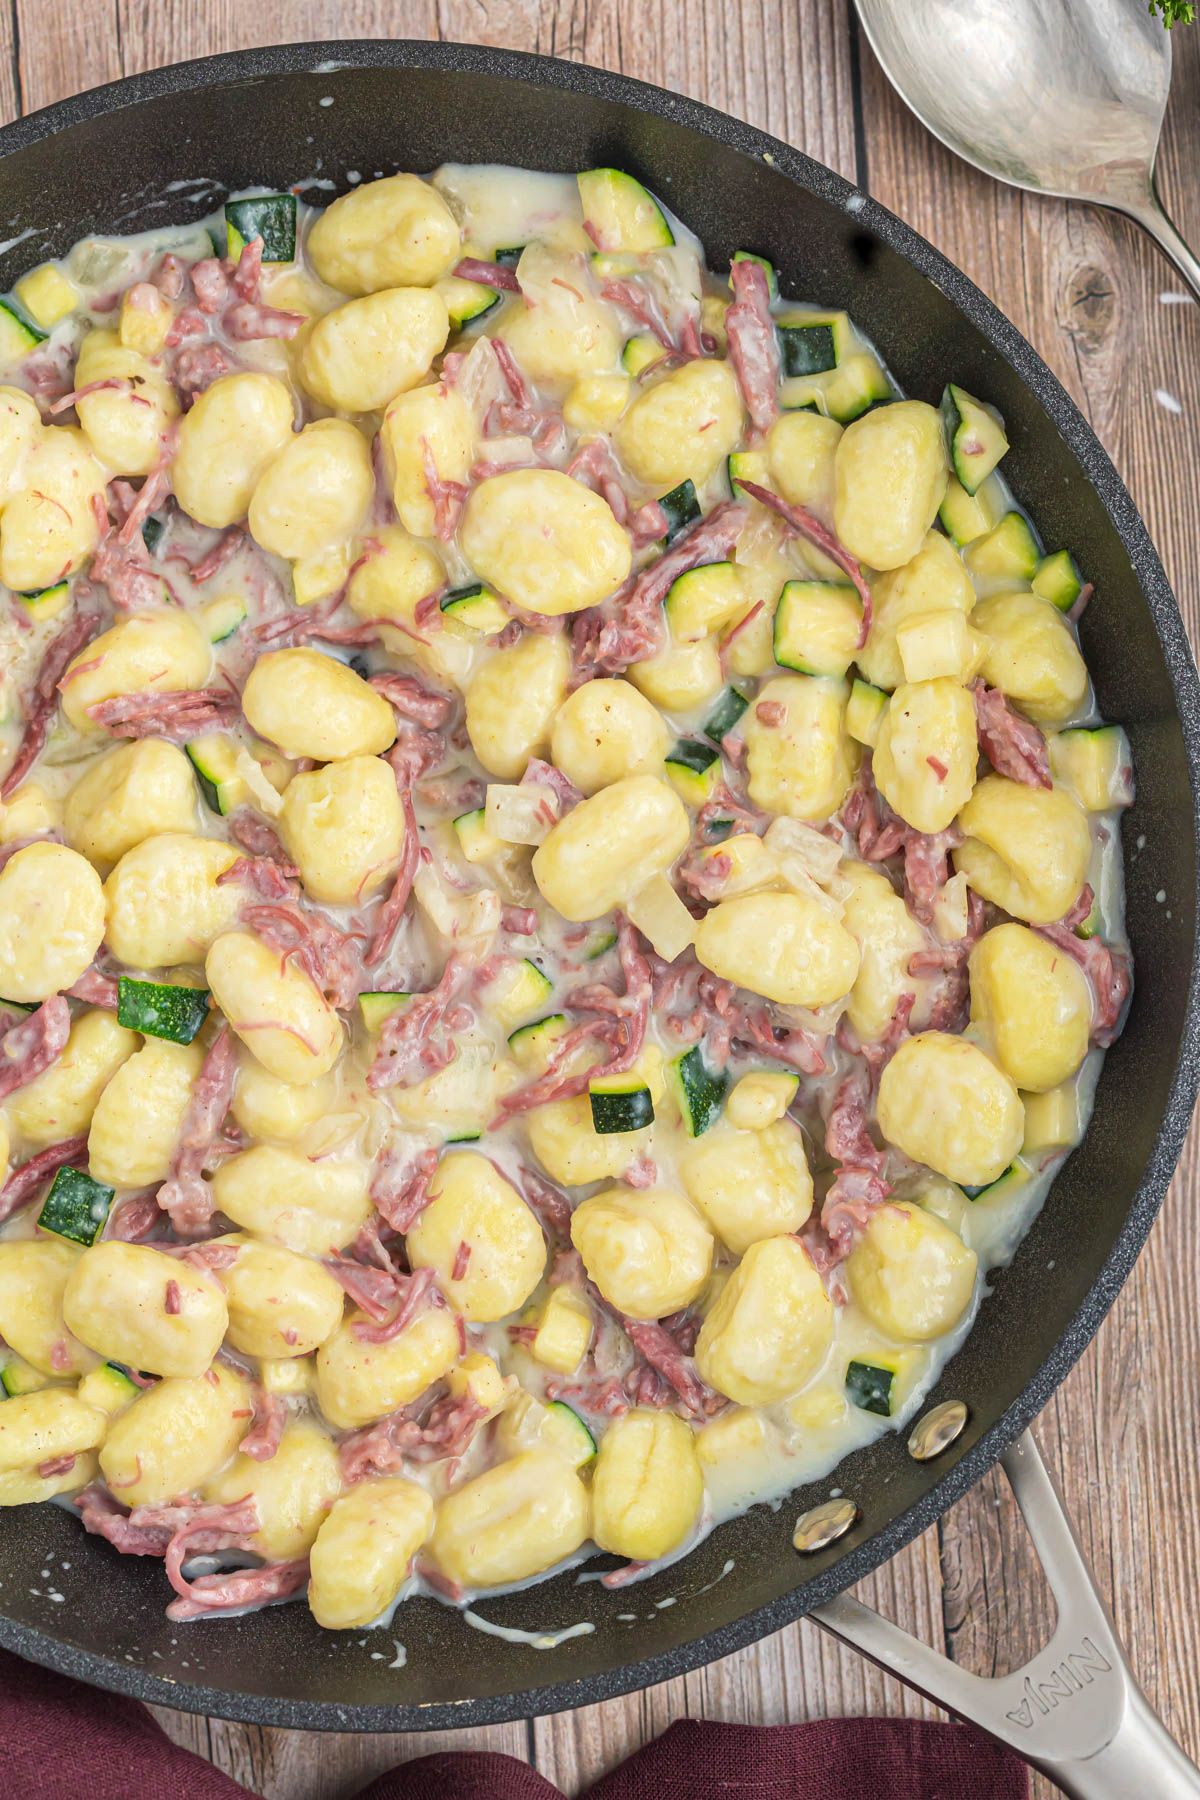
1056, 96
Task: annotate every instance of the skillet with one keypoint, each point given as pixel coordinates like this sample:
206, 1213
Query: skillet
166, 147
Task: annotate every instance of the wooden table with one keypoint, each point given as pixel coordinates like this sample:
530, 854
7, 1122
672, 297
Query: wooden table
1096, 300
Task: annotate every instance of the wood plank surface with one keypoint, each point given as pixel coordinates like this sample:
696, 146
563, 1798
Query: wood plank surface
1088, 290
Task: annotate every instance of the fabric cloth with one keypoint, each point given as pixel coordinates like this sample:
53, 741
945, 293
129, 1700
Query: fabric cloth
60, 1740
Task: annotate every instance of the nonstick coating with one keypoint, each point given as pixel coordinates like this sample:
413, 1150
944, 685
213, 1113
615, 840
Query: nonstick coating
166, 147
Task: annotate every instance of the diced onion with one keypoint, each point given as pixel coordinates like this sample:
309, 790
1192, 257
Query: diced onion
817, 853
520, 815
661, 916
950, 910
266, 795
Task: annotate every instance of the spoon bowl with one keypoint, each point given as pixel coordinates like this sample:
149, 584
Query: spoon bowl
1048, 95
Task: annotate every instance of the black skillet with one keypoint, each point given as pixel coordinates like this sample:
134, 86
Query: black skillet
167, 147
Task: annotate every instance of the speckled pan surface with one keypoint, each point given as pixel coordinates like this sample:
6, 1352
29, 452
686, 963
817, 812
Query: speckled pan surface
167, 146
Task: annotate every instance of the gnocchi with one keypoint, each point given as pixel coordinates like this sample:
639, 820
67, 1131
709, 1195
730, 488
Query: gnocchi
545, 542
480, 1239
361, 355
311, 705
461, 847
649, 1253
608, 847
945, 1104
344, 828
51, 921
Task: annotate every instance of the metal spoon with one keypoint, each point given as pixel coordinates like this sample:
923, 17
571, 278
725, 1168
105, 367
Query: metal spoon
1058, 96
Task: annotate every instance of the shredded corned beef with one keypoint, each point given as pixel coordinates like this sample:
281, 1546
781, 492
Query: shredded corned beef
630, 628
406, 1038
488, 274
392, 910
270, 1416
42, 703
753, 344
413, 699
331, 959
185, 1196
400, 1187
1014, 746
177, 716
28, 1049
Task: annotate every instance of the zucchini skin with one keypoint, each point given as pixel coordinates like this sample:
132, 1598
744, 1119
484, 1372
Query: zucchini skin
626, 1109
869, 1386
157, 1009
699, 1092
76, 1207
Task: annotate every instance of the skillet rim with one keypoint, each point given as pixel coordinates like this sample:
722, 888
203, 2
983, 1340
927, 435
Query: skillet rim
555, 74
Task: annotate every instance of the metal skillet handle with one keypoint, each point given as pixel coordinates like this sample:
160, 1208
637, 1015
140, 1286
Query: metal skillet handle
1075, 1711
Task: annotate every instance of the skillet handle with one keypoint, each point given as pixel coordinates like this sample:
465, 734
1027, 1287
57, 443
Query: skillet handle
1075, 1711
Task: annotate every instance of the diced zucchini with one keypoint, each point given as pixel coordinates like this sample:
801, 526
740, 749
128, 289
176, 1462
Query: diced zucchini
698, 1091
463, 1136
725, 714
620, 1103
152, 530
271, 217
1005, 1187
533, 1045
806, 335
475, 841
619, 214
844, 393
933, 644
214, 758
19, 1377
864, 712
76, 1206
856, 385
807, 349
640, 352
974, 436
662, 918
598, 944
717, 830
817, 625
1095, 765
694, 769
682, 509
220, 618
748, 465
46, 295
518, 993
476, 607
376, 1007
872, 1386
1058, 580
17, 336
1008, 550
159, 1010
509, 255
964, 517
768, 269
1052, 1121
466, 300
701, 600
567, 1432
109, 1388
563, 1335
760, 1098
46, 603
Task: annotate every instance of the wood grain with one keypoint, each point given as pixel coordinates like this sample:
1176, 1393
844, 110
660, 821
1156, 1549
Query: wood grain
1085, 287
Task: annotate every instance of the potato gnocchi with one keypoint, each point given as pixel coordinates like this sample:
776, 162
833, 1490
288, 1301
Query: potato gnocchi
560, 891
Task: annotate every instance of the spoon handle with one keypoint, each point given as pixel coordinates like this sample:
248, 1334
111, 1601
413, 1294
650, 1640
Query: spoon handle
1152, 215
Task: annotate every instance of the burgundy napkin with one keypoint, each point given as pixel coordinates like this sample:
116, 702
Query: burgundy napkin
62, 1741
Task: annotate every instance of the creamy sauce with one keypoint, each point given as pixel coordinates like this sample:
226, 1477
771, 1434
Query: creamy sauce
799, 1440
